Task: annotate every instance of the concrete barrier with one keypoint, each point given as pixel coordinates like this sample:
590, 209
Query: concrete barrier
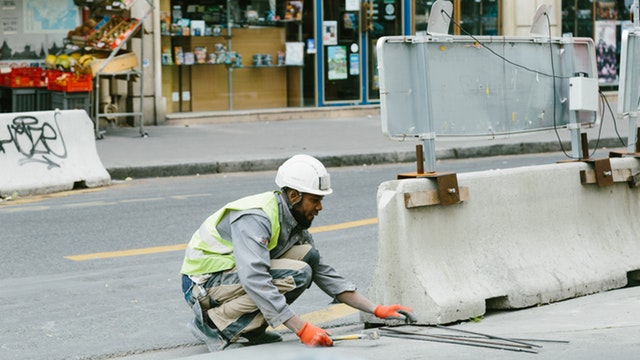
525, 236
48, 151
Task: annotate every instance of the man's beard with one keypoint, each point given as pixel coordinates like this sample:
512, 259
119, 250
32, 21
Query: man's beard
300, 218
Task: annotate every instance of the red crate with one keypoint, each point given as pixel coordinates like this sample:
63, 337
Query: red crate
24, 77
50, 75
69, 82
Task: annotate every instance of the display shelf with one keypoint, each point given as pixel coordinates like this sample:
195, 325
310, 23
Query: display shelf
201, 86
127, 75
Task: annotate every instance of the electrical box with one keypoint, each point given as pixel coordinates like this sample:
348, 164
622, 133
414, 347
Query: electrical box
583, 94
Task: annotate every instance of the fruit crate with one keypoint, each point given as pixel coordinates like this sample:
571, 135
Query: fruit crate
5, 99
70, 100
43, 99
69, 82
26, 77
17, 99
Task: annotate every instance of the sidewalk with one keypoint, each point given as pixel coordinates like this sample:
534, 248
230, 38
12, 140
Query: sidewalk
594, 327
600, 326
199, 148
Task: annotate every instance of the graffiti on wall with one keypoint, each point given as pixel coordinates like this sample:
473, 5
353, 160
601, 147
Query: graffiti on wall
36, 142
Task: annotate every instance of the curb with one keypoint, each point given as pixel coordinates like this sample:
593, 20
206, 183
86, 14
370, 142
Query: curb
350, 159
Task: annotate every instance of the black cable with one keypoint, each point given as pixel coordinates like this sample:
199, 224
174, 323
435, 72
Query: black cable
554, 77
595, 147
498, 55
555, 94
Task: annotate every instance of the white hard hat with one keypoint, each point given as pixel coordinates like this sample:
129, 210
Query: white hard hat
305, 174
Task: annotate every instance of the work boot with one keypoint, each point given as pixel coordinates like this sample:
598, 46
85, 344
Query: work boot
260, 336
213, 338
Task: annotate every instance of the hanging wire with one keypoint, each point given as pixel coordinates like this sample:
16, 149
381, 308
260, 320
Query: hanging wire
535, 71
554, 77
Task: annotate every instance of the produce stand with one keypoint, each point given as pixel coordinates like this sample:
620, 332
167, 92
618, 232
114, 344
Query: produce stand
111, 60
21, 89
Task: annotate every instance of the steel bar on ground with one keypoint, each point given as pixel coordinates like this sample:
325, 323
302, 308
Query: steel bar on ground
462, 342
488, 336
484, 340
518, 339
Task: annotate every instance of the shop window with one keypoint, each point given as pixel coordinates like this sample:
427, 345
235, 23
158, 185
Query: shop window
479, 17
475, 17
604, 21
232, 54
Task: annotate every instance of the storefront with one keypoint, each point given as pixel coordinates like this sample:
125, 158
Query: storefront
225, 55
204, 56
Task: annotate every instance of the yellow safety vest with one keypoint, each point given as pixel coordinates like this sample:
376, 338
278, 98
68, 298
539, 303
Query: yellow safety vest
207, 252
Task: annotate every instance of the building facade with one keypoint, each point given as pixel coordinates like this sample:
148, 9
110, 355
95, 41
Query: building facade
211, 56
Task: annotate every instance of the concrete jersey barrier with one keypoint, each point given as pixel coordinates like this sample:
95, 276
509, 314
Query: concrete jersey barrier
525, 236
48, 151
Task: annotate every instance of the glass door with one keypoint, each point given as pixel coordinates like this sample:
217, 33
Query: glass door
342, 53
477, 17
381, 18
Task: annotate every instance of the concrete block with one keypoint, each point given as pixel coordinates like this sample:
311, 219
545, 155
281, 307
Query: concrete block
525, 236
48, 151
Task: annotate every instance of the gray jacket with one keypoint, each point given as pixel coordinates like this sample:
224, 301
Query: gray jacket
248, 230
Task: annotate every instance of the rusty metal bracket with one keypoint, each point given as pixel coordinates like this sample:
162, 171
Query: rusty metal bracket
617, 154
618, 176
601, 172
448, 192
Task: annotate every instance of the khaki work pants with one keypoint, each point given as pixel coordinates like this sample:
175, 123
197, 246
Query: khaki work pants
229, 308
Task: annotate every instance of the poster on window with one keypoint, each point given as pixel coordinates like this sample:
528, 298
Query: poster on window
330, 33
354, 64
606, 47
337, 62
31, 29
606, 10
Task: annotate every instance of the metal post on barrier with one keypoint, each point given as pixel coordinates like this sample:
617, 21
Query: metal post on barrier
429, 137
573, 126
633, 135
447, 193
585, 146
429, 143
628, 105
419, 159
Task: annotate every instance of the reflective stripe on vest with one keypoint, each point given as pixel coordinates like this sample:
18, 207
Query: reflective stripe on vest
207, 252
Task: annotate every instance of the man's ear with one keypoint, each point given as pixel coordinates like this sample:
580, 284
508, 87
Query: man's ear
293, 196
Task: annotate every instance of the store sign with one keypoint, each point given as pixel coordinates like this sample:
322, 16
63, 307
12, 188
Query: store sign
389, 10
29, 27
352, 5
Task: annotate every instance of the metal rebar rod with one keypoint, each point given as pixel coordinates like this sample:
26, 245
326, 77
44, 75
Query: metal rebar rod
488, 336
479, 340
520, 339
461, 342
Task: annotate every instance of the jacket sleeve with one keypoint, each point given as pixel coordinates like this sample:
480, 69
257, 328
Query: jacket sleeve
251, 233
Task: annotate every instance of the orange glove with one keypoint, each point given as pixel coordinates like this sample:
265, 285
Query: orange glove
391, 311
314, 336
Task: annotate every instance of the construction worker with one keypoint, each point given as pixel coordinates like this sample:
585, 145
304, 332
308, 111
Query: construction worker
251, 259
